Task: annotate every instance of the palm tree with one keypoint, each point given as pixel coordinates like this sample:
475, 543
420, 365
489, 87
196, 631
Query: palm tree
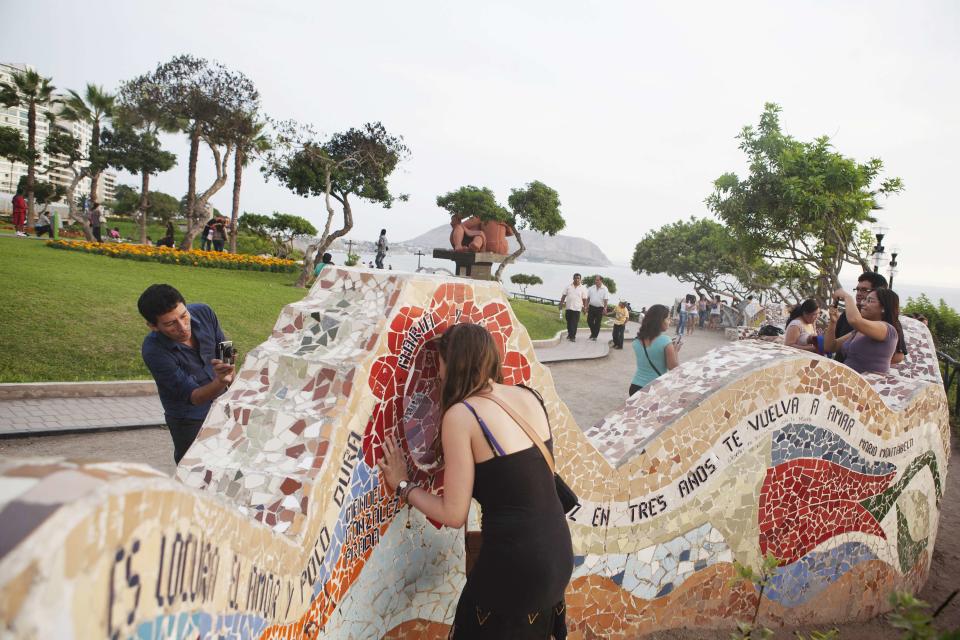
95, 107
250, 141
32, 90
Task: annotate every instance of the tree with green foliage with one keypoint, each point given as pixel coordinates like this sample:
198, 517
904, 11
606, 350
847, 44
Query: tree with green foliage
12, 146
128, 201
95, 107
255, 223
34, 92
802, 202
206, 99
284, 227
524, 280
944, 322
135, 146
705, 254
65, 148
609, 283
45, 193
535, 206
355, 163
697, 251
139, 152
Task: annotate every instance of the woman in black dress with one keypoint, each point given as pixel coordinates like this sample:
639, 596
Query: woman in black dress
515, 590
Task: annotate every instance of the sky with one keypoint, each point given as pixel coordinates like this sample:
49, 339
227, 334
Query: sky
629, 110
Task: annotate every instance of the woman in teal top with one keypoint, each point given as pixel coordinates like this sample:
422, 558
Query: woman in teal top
654, 350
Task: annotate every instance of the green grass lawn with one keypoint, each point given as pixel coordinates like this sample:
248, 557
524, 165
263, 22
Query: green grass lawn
73, 316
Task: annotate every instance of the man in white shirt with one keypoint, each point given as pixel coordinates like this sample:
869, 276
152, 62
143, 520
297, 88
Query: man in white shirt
573, 300
597, 298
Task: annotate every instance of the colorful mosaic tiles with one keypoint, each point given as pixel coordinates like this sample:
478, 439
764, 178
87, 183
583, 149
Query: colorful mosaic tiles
277, 526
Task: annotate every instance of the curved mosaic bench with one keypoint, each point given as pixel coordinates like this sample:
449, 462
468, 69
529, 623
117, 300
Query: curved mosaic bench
278, 528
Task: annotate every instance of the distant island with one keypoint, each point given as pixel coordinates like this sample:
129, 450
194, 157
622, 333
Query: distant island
540, 248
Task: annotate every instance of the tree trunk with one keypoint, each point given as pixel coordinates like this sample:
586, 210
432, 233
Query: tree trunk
512, 257
144, 204
187, 243
72, 213
238, 158
310, 257
94, 147
195, 222
31, 162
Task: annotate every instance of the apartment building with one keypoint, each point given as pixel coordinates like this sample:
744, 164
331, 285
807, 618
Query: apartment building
51, 169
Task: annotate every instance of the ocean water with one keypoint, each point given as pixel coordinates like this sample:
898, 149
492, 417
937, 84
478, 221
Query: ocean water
639, 290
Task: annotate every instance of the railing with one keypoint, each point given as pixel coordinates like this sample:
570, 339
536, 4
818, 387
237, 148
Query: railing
634, 315
950, 378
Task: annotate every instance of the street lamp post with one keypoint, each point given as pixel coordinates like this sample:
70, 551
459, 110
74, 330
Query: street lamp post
894, 252
878, 251
419, 254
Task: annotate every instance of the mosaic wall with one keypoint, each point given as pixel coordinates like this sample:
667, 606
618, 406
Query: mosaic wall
277, 525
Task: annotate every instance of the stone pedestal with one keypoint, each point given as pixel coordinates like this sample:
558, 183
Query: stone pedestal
470, 264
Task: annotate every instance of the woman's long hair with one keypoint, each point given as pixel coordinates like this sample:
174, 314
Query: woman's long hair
472, 361
890, 302
807, 306
652, 325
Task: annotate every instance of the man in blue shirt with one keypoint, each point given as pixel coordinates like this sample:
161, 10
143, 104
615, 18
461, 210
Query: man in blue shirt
180, 353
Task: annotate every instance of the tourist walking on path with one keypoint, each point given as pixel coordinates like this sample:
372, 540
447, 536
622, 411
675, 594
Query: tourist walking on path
597, 299
715, 313
382, 248
655, 353
690, 309
620, 315
20, 214
703, 310
516, 588
572, 302
96, 219
181, 353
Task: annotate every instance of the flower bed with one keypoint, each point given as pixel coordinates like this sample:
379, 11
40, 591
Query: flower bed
194, 258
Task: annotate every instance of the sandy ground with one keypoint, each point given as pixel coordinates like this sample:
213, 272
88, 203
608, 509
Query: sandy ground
609, 379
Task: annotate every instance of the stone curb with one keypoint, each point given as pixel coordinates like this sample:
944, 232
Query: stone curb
39, 433
98, 389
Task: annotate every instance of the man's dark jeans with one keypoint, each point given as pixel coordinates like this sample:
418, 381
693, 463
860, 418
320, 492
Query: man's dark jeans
573, 319
183, 432
594, 316
618, 330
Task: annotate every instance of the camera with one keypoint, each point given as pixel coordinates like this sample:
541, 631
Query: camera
226, 353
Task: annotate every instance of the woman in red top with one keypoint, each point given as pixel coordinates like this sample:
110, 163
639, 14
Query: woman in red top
20, 214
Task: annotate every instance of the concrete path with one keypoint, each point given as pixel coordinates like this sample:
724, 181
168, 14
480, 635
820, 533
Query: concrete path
70, 415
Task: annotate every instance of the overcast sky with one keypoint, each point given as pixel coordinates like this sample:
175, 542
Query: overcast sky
629, 110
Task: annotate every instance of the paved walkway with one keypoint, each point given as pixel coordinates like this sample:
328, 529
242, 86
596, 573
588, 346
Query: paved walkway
70, 415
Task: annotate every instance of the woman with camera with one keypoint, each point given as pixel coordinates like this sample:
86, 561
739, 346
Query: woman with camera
876, 330
516, 587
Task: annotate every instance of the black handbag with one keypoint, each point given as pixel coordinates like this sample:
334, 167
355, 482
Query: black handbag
568, 499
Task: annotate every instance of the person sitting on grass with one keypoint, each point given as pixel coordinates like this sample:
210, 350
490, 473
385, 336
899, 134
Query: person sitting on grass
656, 354
801, 331
876, 331
43, 225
